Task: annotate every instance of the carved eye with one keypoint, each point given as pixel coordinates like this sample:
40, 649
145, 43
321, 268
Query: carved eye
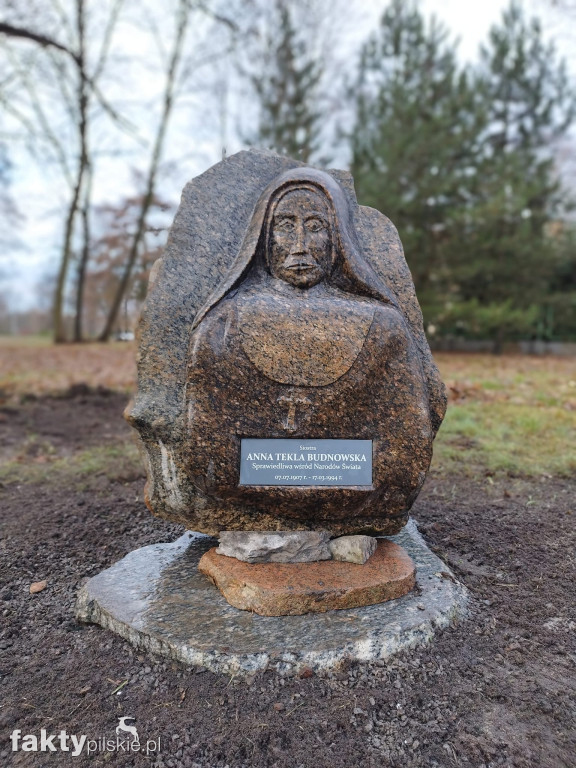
315, 225
284, 225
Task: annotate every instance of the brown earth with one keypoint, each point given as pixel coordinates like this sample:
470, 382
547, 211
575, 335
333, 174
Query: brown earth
497, 690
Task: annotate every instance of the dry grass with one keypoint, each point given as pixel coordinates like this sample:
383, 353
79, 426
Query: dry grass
35, 366
515, 379
514, 414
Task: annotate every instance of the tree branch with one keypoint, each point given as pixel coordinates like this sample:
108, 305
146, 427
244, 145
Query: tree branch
27, 34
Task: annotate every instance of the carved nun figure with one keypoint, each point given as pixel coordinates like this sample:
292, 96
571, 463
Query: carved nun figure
303, 340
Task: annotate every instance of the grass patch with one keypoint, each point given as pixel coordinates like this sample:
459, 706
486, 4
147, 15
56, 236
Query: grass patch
33, 340
507, 437
514, 414
82, 470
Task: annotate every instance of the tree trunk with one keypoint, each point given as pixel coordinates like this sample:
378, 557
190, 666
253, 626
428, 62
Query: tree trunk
498, 343
82, 265
181, 25
59, 330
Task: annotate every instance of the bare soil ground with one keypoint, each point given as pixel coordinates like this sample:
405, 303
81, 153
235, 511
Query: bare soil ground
496, 690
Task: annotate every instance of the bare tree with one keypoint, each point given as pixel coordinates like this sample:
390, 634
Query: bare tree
13, 30
181, 21
60, 89
114, 226
82, 166
178, 72
11, 216
86, 92
52, 81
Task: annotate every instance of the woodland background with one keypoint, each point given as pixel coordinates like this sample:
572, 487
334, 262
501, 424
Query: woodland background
470, 160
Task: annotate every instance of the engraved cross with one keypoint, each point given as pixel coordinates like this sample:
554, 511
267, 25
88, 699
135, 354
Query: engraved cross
289, 423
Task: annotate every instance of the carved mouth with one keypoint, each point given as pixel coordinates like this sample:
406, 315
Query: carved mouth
301, 266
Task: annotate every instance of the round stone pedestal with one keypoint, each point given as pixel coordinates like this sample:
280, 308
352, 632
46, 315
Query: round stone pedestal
291, 589
156, 598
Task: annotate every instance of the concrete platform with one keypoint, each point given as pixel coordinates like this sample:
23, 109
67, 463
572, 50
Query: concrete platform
156, 598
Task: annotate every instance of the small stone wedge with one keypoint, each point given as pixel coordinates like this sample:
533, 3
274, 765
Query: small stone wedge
353, 549
275, 546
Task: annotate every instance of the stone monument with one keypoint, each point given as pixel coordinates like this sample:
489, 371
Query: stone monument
285, 382
287, 397
282, 322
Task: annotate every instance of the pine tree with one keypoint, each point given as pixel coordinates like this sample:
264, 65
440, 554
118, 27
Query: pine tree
462, 162
287, 89
532, 102
416, 137
511, 256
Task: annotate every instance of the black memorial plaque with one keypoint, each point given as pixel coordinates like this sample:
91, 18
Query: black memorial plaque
343, 463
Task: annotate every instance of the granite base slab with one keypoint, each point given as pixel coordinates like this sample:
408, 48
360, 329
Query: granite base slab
156, 598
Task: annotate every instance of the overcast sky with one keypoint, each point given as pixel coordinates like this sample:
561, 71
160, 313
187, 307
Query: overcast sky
38, 193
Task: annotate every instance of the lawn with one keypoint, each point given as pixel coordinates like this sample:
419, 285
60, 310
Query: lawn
513, 414
34, 366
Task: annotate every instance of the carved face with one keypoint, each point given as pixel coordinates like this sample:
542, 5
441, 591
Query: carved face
300, 240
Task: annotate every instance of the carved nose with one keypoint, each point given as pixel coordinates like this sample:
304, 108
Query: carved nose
299, 242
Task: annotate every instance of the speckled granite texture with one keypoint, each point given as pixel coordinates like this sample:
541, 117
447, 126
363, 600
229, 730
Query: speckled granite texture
156, 598
282, 309
276, 589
